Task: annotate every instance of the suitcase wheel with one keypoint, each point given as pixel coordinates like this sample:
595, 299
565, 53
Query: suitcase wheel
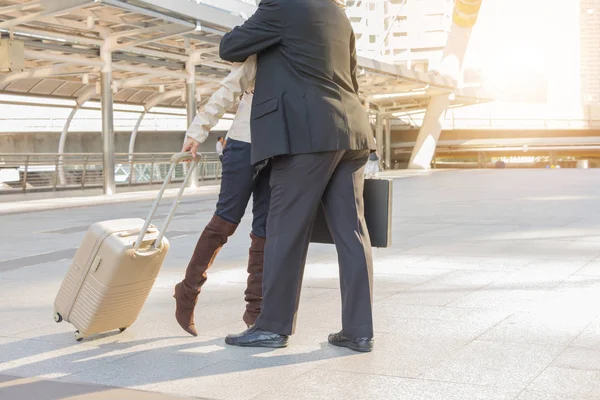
78, 336
122, 329
58, 318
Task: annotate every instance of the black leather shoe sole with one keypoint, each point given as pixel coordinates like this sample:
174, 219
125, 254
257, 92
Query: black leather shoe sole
362, 348
271, 344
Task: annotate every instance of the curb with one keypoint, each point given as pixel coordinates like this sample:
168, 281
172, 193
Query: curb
20, 207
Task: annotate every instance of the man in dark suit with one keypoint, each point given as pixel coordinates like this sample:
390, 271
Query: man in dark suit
308, 120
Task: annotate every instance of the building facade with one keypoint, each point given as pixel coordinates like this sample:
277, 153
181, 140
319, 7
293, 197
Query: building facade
590, 51
410, 32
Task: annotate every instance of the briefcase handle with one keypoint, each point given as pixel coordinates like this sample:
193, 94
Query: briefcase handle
176, 159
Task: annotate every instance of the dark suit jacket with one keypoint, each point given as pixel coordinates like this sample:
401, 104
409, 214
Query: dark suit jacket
306, 94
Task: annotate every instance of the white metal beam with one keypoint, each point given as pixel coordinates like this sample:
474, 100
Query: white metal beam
87, 94
209, 14
175, 32
19, 7
37, 73
134, 137
112, 18
56, 36
82, 26
159, 98
151, 13
140, 31
77, 60
52, 8
136, 82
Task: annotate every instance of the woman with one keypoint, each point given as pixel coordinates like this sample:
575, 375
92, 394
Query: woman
240, 180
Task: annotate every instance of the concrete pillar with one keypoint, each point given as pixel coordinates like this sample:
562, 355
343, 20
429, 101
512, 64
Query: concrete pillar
429, 133
583, 164
388, 143
464, 18
108, 133
191, 109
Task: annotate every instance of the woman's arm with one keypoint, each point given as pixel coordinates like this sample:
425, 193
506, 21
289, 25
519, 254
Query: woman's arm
238, 80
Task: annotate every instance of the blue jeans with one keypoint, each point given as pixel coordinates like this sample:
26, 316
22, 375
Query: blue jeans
239, 182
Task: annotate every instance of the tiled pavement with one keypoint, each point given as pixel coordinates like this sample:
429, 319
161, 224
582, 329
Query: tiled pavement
491, 291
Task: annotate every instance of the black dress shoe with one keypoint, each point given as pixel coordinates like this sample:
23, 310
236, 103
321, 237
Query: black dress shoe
363, 345
255, 337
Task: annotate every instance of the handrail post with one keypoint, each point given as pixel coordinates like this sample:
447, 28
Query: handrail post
152, 171
84, 172
56, 173
25, 174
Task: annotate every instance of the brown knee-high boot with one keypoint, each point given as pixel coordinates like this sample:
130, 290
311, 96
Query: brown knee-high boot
254, 286
213, 237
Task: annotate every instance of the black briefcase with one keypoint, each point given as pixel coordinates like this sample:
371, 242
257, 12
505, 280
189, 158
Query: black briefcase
378, 215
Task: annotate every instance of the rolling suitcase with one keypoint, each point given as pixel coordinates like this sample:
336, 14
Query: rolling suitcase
114, 269
378, 215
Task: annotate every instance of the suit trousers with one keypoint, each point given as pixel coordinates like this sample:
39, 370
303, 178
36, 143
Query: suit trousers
299, 183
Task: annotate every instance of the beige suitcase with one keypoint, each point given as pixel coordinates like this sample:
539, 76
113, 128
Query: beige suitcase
114, 269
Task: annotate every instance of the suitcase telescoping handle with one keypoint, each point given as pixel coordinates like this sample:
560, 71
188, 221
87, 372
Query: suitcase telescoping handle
176, 159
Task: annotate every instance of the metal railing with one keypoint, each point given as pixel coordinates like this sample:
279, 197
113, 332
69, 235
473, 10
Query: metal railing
457, 123
50, 171
151, 122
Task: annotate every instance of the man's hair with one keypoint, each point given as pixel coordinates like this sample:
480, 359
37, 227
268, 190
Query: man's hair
219, 138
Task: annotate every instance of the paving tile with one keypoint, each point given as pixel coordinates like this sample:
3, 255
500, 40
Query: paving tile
591, 269
578, 358
334, 385
590, 337
513, 300
450, 232
50, 360
53, 271
446, 288
532, 395
36, 389
539, 274
567, 382
235, 380
153, 366
431, 329
494, 364
25, 318
473, 263
397, 355
556, 249
553, 328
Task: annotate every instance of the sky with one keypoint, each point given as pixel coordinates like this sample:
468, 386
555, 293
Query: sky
516, 41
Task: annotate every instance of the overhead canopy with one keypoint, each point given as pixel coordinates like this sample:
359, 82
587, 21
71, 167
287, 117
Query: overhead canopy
151, 41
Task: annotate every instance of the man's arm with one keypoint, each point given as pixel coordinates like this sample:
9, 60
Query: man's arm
238, 80
261, 31
353, 62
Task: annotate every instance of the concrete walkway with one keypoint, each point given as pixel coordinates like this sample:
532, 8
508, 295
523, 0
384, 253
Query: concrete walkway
12, 387
491, 291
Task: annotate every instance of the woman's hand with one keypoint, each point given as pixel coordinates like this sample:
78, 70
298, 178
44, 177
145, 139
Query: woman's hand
190, 145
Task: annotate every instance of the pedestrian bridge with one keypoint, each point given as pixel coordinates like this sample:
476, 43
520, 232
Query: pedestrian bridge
154, 56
